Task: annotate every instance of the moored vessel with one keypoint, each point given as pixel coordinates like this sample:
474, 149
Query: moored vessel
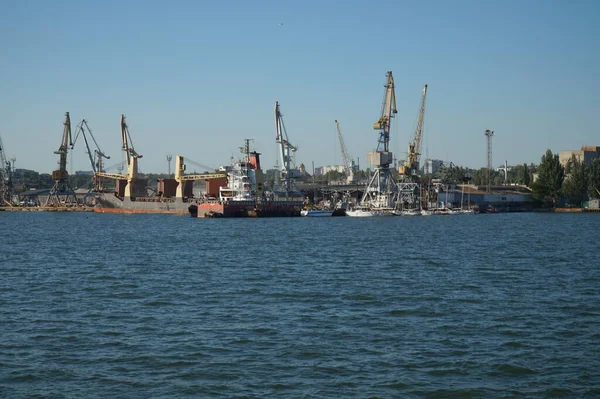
316, 212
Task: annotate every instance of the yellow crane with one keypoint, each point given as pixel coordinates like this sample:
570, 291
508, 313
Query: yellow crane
411, 164
181, 178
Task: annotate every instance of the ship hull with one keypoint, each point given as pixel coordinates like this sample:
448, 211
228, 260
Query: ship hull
237, 209
109, 203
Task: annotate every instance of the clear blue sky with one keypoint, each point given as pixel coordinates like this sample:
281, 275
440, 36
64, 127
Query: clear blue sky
197, 77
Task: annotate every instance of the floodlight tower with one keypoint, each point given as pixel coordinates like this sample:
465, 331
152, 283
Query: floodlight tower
489, 134
169, 158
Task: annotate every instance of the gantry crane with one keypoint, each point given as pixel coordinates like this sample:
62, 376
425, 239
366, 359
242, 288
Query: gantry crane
62, 193
6, 183
96, 160
348, 163
381, 191
288, 187
411, 165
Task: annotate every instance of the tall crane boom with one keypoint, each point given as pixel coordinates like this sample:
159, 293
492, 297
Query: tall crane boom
4, 164
97, 159
388, 110
286, 150
6, 186
382, 191
411, 165
345, 157
66, 142
131, 156
62, 192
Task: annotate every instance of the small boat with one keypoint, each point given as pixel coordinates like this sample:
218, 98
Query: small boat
426, 212
467, 211
316, 212
359, 213
411, 212
383, 212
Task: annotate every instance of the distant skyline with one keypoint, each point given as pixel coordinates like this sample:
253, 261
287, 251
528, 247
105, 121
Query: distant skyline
196, 78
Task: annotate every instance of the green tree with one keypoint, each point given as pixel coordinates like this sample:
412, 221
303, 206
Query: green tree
594, 179
523, 175
526, 176
575, 186
551, 174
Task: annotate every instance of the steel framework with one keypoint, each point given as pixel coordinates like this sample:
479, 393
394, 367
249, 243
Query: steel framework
489, 134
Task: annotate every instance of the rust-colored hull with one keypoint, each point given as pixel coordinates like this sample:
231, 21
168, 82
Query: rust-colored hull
247, 209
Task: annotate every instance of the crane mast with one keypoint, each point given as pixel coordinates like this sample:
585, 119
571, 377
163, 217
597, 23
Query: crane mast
96, 160
61, 176
131, 156
381, 191
345, 157
388, 110
62, 151
286, 149
6, 186
411, 165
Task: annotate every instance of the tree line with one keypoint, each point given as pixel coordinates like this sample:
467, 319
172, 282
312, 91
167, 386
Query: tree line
569, 185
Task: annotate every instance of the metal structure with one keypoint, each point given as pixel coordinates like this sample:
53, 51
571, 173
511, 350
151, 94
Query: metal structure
131, 157
287, 185
348, 163
62, 193
169, 159
97, 159
505, 168
489, 134
411, 165
6, 184
381, 191
181, 178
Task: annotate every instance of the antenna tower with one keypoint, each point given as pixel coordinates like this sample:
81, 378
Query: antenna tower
489, 134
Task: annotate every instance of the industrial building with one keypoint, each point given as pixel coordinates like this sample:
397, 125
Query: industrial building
586, 155
432, 166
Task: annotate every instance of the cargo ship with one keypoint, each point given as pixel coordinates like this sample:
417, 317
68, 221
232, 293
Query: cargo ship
234, 191
245, 196
172, 195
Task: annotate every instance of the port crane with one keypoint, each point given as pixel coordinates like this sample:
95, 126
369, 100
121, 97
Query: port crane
411, 165
348, 163
131, 157
381, 190
96, 160
182, 178
62, 186
6, 183
287, 187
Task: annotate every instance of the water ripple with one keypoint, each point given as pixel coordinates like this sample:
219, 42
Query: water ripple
490, 306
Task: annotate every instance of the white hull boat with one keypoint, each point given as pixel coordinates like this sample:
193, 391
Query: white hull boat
360, 213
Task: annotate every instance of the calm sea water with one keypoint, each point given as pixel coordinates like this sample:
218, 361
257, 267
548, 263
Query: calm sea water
477, 306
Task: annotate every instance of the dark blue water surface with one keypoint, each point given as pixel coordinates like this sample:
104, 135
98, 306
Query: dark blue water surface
139, 306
